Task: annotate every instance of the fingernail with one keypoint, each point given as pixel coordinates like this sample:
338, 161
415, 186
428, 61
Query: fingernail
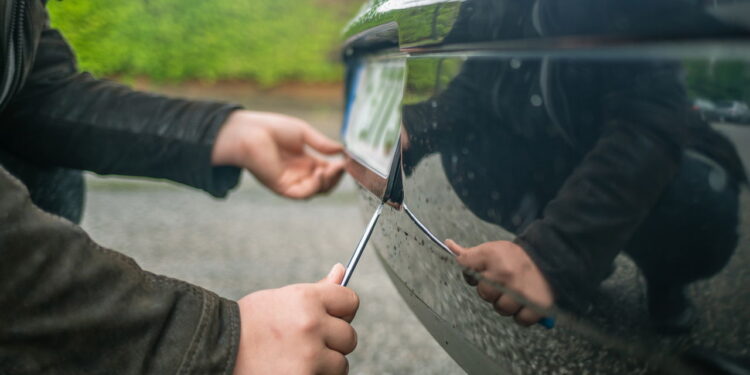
332, 272
335, 270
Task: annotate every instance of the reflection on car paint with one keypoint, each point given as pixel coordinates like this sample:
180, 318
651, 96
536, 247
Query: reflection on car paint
427, 232
611, 164
373, 121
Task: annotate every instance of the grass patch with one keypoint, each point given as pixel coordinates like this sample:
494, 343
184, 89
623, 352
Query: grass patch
267, 42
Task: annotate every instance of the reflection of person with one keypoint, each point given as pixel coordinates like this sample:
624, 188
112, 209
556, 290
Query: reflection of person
582, 160
70, 306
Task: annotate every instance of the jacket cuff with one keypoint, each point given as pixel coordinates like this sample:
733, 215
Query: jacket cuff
570, 285
216, 339
215, 180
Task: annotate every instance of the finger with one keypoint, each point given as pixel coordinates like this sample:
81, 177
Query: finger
526, 317
332, 174
331, 362
472, 258
456, 248
306, 187
339, 301
507, 306
335, 275
320, 142
339, 336
488, 292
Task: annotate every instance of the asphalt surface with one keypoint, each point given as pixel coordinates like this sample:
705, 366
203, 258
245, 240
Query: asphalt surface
254, 240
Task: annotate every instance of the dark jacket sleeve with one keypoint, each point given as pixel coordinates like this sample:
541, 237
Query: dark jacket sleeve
596, 212
69, 119
607, 197
69, 306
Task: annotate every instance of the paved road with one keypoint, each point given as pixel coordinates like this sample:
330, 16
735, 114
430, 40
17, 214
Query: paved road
254, 240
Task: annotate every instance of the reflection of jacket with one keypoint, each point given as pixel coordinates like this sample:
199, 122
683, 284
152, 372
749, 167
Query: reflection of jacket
577, 173
575, 176
68, 305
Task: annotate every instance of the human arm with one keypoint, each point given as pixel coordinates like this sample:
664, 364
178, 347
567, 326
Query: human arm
66, 118
630, 154
71, 306
583, 228
70, 119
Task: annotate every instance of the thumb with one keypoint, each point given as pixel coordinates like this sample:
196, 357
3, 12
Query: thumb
456, 248
335, 275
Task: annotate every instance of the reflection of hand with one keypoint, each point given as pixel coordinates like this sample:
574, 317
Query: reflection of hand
298, 329
507, 264
273, 148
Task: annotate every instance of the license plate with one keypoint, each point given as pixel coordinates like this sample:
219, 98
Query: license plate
373, 113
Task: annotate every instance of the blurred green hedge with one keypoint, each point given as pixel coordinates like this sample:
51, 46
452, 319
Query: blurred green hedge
266, 41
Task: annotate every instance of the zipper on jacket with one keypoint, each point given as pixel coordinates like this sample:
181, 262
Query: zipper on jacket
15, 50
20, 45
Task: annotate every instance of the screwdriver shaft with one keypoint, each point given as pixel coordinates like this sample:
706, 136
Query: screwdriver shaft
361, 245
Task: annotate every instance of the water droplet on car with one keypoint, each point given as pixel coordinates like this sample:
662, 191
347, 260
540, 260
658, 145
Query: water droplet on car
717, 179
434, 104
515, 63
536, 100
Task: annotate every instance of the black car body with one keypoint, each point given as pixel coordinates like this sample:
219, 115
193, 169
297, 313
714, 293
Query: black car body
569, 128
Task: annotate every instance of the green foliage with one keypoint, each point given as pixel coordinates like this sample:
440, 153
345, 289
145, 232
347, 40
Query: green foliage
721, 80
428, 77
267, 41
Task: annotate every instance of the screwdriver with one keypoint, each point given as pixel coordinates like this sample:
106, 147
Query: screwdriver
361, 245
546, 322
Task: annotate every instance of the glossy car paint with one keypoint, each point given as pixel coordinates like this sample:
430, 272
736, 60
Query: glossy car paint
501, 103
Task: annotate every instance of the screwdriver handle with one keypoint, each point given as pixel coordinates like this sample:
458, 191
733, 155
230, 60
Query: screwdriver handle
547, 322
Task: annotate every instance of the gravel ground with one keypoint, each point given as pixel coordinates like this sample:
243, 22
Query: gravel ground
254, 240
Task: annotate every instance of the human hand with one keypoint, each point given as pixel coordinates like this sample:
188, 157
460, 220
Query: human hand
273, 147
507, 264
298, 329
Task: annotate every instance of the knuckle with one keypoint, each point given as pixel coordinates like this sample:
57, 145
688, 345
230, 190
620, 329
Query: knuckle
309, 355
308, 324
484, 251
502, 273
